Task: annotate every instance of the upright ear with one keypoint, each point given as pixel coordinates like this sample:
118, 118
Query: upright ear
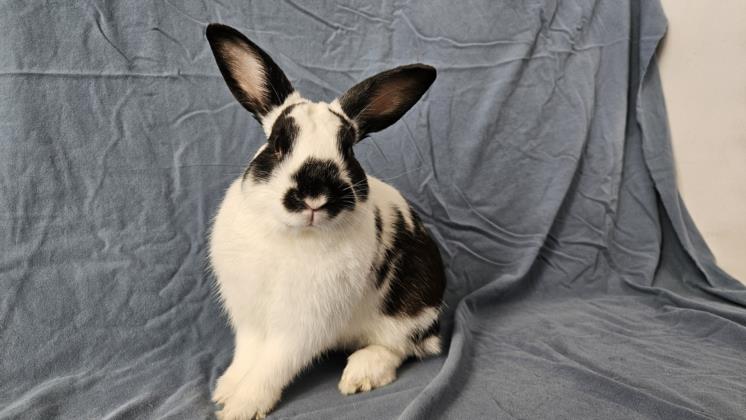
379, 101
253, 78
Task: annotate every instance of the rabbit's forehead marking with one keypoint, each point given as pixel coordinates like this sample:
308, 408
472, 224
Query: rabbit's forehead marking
317, 136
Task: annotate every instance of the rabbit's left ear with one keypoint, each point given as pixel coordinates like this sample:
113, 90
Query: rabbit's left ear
253, 78
379, 101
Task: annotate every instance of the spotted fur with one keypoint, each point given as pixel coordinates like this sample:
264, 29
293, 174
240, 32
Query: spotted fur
310, 253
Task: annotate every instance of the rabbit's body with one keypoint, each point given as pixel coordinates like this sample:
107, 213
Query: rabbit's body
310, 253
323, 285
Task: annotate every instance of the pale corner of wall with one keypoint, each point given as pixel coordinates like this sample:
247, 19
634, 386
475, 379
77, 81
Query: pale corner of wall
703, 69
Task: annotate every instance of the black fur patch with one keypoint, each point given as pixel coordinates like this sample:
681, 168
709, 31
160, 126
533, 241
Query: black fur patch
419, 280
379, 223
280, 144
391, 260
419, 336
320, 177
346, 138
293, 202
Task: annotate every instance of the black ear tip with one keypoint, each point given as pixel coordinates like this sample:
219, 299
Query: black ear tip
218, 30
426, 67
213, 29
430, 72
424, 72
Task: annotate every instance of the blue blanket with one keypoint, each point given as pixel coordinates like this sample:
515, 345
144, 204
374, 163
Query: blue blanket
540, 159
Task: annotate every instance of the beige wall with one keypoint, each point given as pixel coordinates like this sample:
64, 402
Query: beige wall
703, 67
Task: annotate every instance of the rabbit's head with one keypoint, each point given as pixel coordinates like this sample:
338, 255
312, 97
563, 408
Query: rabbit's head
306, 174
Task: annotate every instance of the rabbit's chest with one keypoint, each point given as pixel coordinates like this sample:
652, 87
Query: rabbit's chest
265, 279
285, 282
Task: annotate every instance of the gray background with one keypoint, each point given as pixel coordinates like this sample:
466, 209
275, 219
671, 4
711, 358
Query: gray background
540, 160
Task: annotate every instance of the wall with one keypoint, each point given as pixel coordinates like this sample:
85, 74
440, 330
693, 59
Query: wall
703, 67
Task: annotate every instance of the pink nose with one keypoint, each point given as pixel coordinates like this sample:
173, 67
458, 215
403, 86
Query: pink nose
315, 203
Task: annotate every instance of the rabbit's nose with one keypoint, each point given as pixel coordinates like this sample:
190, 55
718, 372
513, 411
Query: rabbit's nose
315, 203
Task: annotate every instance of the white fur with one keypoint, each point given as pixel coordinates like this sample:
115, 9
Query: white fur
368, 368
293, 291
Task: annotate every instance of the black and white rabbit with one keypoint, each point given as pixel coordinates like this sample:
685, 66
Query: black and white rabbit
310, 253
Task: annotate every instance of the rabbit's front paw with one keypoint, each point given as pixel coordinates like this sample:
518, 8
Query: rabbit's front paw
247, 402
226, 385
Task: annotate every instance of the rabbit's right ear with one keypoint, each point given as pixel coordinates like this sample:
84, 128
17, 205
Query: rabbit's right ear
253, 78
380, 100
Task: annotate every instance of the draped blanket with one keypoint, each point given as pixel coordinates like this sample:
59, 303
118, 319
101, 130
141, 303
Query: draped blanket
578, 285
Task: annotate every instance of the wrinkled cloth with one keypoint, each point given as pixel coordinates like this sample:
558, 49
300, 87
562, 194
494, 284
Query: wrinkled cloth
578, 285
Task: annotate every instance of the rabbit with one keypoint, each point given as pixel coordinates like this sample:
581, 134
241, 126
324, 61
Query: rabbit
309, 253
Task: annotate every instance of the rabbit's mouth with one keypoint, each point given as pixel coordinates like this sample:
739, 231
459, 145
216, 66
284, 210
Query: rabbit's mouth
312, 209
312, 216
309, 218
